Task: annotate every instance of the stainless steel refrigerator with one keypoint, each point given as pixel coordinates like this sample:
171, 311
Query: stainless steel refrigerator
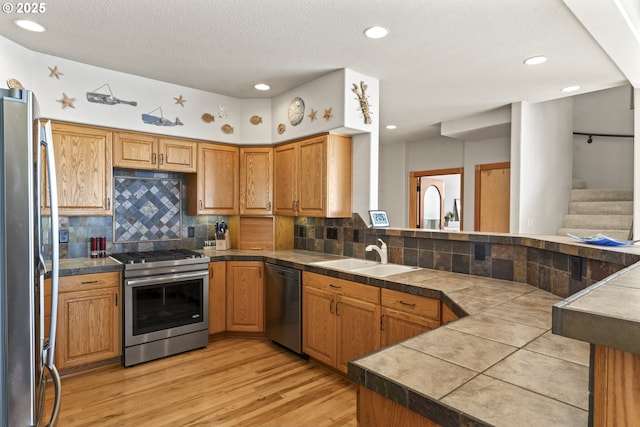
26, 357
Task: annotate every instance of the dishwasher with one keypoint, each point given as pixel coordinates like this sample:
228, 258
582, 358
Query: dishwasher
284, 307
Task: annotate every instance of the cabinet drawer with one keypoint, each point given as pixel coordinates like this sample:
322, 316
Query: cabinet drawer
342, 287
89, 281
422, 306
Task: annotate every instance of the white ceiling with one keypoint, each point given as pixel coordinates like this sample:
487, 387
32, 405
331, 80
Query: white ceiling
443, 59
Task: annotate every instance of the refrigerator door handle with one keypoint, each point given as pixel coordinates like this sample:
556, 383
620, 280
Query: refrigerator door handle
47, 143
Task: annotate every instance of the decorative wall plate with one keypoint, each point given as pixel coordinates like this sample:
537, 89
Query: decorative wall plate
227, 128
296, 111
281, 128
255, 120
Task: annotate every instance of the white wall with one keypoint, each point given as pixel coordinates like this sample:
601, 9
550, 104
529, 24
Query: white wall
607, 162
394, 181
542, 163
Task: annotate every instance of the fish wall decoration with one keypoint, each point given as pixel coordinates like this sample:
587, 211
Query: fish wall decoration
159, 120
106, 98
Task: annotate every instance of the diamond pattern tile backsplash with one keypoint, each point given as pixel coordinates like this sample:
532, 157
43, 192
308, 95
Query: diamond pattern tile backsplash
146, 209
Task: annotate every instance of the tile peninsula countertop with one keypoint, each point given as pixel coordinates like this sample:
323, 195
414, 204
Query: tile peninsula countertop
607, 313
499, 365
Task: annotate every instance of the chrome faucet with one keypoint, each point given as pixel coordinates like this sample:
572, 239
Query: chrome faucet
382, 250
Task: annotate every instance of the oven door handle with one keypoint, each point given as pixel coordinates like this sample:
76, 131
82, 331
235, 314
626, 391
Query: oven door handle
154, 280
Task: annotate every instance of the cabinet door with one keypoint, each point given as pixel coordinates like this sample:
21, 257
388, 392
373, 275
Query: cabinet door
396, 326
256, 180
177, 156
312, 172
134, 150
217, 297
285, 179
319, 324
245, 296
89, 329
358, 331
213, 190
83, 171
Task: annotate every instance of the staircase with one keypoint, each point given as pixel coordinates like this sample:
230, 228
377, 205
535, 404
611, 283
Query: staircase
593, 211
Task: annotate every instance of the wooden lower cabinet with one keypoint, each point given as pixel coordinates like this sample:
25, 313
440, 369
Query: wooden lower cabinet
217, 297
245, 296
89, 319
375, 410
616, 387
405, 315
340, 319
448, 315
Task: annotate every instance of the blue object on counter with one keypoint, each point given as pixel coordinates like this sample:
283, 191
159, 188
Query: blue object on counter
602, 240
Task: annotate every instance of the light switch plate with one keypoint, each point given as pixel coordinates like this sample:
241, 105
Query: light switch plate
64, 236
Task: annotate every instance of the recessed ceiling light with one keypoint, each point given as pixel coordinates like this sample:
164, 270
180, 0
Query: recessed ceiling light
570, 88
391, 127
262, 86
29, 25
376, 32
535, 60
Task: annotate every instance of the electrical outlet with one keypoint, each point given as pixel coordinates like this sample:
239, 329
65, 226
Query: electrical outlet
64, 236
191, 232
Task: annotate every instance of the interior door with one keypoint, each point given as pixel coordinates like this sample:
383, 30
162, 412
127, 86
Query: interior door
492, 197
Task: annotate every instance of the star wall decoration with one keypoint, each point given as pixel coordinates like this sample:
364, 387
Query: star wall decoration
180, 100
55, 72
312, 114
327, 113
66, 101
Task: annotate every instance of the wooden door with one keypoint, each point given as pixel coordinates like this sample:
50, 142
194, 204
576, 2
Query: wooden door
312, 172
256, 180
177, 156
214, 189
285, 179
135, 150
245, 296
492, 197
217, 297
319, 325
396, 326
83, 170
358, 331
89, 329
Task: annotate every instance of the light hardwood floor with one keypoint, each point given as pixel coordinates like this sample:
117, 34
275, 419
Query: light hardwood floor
233, 382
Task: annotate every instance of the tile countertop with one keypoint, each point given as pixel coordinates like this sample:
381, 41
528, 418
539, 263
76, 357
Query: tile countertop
500, 365
597, 314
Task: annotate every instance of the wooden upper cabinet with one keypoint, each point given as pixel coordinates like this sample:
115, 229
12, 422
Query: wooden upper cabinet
147, 152
84, 171
256, 181
176, 155
285, 179
313, 177
213, 190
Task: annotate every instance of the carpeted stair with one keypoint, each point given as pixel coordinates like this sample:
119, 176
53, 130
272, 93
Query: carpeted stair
593, 211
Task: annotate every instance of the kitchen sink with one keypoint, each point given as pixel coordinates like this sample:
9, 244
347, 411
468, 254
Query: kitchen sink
346, 264
369, 268
382, 270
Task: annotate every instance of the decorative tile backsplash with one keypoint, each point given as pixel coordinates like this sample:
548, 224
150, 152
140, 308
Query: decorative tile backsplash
146, 209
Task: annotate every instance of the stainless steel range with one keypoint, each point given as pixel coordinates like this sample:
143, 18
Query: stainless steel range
166, 303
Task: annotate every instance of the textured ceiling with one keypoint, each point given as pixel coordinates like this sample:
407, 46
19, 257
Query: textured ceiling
443, 59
